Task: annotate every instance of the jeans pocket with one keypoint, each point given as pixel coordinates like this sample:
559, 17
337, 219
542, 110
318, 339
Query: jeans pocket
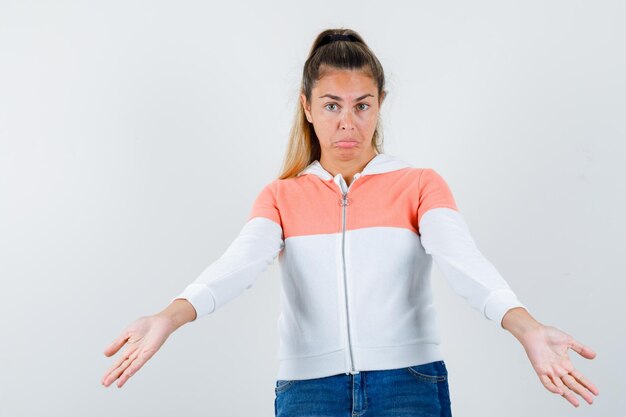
282, 385
429, 372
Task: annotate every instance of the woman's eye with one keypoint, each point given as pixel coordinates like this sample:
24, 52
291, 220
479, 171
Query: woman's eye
331, 104
366, 106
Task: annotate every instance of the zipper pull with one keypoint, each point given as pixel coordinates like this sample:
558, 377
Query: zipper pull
344, 200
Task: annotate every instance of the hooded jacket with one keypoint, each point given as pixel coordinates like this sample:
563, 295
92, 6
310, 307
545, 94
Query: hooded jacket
355, 266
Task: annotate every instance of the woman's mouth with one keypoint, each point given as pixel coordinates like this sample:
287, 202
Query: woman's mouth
346, 143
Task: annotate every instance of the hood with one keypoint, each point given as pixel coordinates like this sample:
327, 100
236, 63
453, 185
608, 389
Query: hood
380, 163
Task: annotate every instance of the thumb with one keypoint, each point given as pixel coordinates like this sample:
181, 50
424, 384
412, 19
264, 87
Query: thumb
116, 344
582, 350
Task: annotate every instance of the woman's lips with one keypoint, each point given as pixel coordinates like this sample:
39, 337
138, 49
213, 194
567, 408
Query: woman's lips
346, 143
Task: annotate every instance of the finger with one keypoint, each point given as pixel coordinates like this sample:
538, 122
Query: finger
140, 360
545, 380
120, 359
582, 350
566, 393
116, 344
573, 385
585, 382
120, 362
559, 384
113, 374
569, 396
118, 371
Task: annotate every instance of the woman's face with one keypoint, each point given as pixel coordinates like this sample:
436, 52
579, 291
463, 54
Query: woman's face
344, 110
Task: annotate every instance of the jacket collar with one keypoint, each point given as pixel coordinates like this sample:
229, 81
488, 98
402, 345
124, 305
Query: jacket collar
379, 164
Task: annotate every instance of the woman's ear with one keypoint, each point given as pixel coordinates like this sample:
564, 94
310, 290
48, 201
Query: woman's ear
382, 97
306, 108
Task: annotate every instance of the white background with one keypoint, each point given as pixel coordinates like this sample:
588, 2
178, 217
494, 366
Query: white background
135, 135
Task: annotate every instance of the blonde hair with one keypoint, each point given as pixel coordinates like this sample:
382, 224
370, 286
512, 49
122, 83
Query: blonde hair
354, 54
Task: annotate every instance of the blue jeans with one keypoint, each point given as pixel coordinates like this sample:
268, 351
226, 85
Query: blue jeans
416, 391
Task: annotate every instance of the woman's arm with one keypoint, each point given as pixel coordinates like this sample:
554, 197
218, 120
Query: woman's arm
253, 250
546, 347
256, 246
445, 235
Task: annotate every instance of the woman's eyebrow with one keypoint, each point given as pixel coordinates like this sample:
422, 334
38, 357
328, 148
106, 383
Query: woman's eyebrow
340, 99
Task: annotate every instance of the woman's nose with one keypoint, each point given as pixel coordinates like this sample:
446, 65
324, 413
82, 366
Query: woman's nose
346, 120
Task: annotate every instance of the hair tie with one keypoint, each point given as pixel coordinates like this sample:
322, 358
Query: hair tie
336, 37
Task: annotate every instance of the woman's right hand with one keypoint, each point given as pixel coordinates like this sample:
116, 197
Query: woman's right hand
144, 337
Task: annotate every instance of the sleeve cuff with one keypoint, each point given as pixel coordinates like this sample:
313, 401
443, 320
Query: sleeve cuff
200, 297
499, 302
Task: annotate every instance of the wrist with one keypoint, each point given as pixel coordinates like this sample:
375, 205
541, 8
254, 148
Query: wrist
519, 322
178, 313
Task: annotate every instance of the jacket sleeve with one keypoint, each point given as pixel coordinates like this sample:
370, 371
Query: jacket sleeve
237, 269
446, 237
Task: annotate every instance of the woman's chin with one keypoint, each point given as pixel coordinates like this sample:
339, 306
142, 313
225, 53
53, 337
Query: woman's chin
347, 153
356, 152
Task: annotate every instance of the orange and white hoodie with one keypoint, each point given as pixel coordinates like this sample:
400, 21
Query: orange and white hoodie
355, 266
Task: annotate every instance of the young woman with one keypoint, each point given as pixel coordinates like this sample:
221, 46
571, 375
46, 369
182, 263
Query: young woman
356, 231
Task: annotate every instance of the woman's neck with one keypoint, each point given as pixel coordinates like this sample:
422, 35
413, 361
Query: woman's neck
347, 168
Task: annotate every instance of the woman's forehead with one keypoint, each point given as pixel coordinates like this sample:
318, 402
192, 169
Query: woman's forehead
350, 82
326, 71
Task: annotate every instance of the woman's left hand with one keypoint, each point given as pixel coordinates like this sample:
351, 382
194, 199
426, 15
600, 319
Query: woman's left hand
547, 348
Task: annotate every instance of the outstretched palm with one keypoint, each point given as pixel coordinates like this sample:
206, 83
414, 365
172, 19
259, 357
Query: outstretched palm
144, 338
547, 348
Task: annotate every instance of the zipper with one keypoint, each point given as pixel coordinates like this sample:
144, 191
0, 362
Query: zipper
344, 203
